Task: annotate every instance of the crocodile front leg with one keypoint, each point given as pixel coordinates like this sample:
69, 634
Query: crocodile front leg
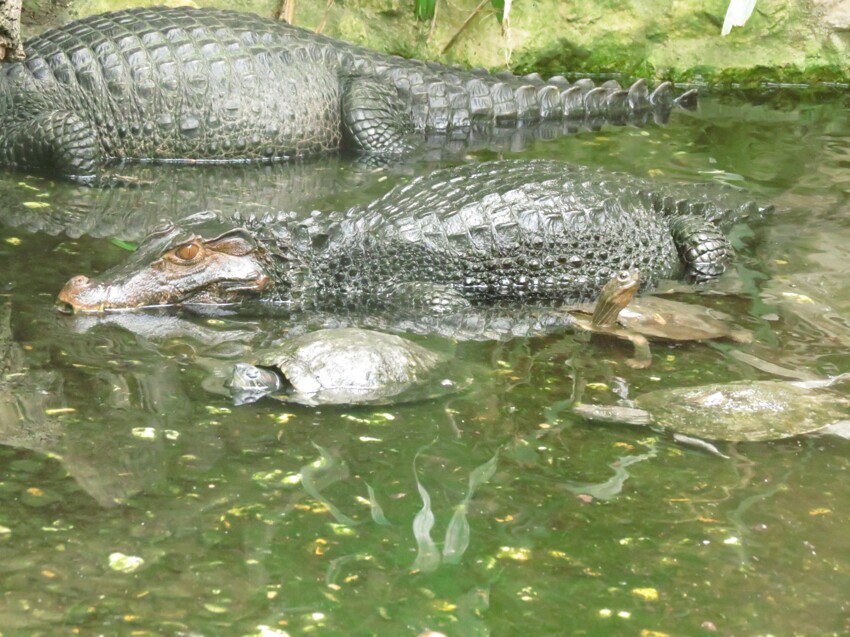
54, 141
703, 249
374, 118
643, 355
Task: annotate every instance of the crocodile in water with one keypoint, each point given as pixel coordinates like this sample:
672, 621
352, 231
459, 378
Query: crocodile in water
504, 232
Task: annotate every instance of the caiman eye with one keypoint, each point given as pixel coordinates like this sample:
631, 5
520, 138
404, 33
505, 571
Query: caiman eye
187, 252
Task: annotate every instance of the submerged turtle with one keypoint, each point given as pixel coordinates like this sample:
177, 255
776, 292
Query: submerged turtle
618, 313
738, 411
346, 366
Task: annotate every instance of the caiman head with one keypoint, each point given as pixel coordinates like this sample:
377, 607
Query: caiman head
168, 270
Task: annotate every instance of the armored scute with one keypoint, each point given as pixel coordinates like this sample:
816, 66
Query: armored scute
537, 232
182, 84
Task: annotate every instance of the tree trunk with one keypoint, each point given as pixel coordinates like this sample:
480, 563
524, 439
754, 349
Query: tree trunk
11, 46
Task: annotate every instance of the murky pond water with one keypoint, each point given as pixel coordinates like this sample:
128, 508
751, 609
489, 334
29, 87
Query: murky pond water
137, 500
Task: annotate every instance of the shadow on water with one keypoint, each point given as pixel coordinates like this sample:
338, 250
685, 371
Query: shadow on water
137, 500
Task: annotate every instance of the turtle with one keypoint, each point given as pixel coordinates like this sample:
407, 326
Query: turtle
346, 366
618, 313
747, 410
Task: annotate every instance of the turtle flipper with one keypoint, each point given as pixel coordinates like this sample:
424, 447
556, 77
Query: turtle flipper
643, 356
703, 248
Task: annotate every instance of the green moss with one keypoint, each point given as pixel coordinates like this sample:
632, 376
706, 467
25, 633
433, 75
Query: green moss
785, 41
566, 58
758, 76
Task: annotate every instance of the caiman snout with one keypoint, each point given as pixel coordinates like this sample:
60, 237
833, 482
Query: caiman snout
220, 270
79, 295
79, 282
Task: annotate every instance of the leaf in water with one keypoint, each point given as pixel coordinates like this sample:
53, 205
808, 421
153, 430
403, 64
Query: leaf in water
124, 245
267, 631
516, 553
377, 511
36, 204
470, 610
614, 485
333, 470
335, 567
125, 563
428, 556
457, 536
648, 594
481, 475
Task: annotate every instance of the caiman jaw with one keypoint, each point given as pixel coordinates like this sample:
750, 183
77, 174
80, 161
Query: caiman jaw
74, 296
81, 295
217, 271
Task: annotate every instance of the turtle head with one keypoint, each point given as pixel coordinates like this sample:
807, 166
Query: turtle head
249, 383
615, 295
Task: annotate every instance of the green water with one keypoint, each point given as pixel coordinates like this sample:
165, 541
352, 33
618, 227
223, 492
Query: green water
136, 500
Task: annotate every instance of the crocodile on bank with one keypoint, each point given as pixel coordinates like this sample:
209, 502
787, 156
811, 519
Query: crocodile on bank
539, 232
183, 84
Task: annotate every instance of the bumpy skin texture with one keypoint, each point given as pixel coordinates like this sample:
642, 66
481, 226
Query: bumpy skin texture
531, 232
182, 84
536, 231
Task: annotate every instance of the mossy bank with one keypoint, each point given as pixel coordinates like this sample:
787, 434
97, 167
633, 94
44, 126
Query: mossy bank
787, 41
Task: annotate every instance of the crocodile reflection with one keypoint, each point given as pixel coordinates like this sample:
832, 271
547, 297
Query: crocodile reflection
151, 194
62, 412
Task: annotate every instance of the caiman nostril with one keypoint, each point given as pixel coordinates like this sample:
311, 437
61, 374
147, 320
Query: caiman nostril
69, 295
80, 281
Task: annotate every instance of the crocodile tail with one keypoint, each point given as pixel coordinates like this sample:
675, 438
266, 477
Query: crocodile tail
703, 248
504, 98
451, 97
584, 98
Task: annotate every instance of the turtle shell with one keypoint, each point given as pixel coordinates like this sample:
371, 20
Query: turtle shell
745, 410
350, 365
665, 319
